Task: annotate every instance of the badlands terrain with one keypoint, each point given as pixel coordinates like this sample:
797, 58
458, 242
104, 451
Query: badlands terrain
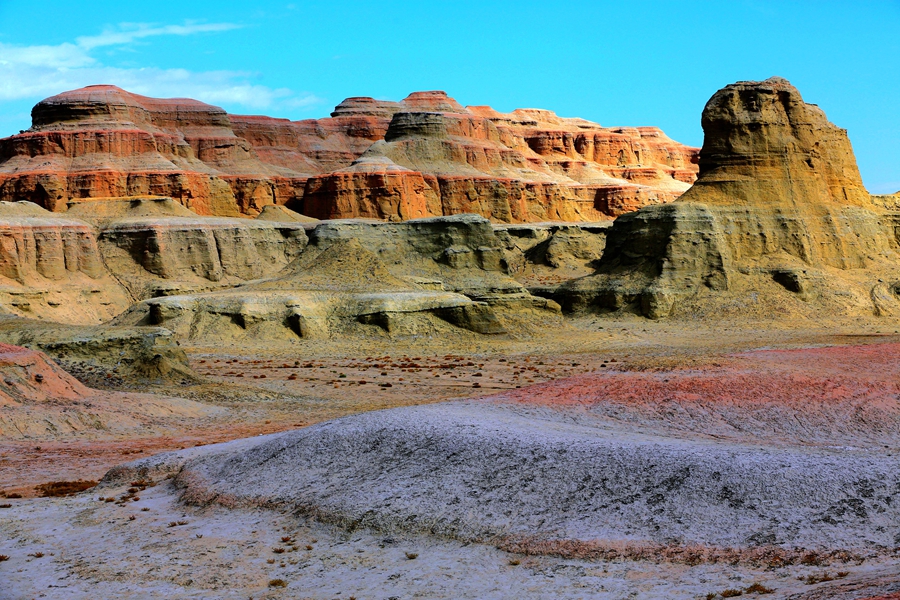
421, 350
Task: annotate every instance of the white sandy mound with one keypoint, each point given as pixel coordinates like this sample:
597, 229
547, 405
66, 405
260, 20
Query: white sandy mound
483, 470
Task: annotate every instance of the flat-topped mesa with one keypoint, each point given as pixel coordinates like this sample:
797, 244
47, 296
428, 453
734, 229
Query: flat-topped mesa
103, 141
529, 165
433, 101
763, 144
108, 107
778, 222
363, 106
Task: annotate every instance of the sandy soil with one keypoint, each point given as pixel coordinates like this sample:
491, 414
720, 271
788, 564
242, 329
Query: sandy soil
302, 386
232, 554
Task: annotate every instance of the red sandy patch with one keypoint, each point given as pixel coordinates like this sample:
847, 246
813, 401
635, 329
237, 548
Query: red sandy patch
802, 378
24, 465
29, 376
833, 396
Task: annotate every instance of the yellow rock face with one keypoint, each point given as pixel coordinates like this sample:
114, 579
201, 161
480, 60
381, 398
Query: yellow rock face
777, 224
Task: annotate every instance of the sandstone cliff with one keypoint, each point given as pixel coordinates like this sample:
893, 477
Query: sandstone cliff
87, 270
51, 267
778, 221
438, 158
423, 156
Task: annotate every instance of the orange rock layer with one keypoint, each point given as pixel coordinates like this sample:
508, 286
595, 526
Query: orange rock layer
424, 156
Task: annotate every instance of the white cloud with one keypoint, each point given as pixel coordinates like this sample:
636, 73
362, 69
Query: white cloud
35, 72
129, 32
64, 56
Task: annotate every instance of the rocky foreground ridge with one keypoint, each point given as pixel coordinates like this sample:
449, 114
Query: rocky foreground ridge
423, 156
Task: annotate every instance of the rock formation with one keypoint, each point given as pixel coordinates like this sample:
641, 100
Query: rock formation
87, 270
102, 141
423, 156
50, 265
433, 276
304, 276
107, 353
530, 165
777, 220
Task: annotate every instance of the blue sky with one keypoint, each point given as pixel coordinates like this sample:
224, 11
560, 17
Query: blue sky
617, 63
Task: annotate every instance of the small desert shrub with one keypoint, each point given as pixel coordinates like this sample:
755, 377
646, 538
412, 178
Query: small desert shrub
277, 583
515, 562
5, 505
731, 593
823, 577
278, 550
3, 557
758, 588
13, 496
811, 560
63, 488
412, 555
37, 554
308, 547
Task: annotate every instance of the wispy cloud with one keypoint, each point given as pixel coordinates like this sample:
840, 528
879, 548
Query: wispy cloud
129, 32
34, 72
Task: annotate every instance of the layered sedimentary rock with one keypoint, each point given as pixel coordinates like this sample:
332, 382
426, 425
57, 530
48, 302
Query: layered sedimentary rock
102, 141
89, 269
92, 263
423, 156
427, 276
51, 267
439, 158
157, 256
777, 220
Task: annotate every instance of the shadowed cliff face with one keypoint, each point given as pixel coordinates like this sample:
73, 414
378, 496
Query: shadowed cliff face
778, 221
426, 155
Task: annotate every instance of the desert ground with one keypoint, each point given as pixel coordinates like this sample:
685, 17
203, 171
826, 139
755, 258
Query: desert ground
135, 550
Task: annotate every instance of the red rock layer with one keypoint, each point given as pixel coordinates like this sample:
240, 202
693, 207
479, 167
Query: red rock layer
425, 156
528, 165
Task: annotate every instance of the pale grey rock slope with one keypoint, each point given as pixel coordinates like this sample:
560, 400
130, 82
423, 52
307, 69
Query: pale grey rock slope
478, 470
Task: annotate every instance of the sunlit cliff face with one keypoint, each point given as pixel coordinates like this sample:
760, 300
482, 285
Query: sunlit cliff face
764, 145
